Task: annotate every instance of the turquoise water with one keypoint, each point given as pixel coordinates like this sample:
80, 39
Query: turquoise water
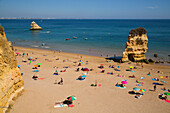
108, 37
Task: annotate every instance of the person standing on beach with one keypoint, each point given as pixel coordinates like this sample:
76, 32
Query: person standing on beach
154, 87
61, 81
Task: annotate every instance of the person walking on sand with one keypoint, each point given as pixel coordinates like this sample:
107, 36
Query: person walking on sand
154, 87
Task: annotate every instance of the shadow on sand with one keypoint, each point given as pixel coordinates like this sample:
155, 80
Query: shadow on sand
115, 59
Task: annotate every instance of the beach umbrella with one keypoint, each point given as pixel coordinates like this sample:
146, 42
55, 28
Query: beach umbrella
136, 89
35, 65
101, 64
71, 98
142, 90
83, 76
124, 82
17, 53
39, 64
30, 57
81, 62
131, 67
85, 69
166, 93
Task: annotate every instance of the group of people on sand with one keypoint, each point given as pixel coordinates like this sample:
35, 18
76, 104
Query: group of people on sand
120, 85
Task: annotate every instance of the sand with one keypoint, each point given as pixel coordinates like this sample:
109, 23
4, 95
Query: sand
39, 96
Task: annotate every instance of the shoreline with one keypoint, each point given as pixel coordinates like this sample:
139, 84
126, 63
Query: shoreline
58, 51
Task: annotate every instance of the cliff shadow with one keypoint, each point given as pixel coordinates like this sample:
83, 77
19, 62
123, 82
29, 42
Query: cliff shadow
115, 58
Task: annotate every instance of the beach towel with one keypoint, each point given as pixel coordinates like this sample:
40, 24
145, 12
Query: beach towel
40, 78
163, 81
142, 78
154, 79
71, 105
60, 105
157, 83
167, 101
122, 87
132, 71
110, 73
166, 93
164, 90
117, 85
35, 71
138, 84
117, 70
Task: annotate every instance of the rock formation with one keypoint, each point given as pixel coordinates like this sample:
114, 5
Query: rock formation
34, 26
11, 82
136, 47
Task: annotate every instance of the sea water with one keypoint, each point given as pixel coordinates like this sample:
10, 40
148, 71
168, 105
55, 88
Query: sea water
104, 37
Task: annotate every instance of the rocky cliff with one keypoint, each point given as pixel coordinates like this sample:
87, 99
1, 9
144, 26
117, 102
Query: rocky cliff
34, 26
136, 47
11, 82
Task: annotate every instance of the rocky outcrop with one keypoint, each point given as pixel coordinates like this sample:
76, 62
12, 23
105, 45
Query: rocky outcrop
136, 47
11, 82
34, 26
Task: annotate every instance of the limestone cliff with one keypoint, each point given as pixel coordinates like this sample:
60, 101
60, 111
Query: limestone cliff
11, 81
136, 47
34, 26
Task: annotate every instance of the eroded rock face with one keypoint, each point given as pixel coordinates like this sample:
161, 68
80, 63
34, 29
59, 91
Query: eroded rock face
136, 47
11, 82
34, 26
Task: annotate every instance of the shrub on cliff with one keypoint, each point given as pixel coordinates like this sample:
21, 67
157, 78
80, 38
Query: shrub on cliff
150, 60
139, 31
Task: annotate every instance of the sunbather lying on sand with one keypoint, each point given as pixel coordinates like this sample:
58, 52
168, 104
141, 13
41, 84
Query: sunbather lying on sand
102, 71
94, 84
101, 67
133, 76
81, 78
162, 96
67, 102
35, 77
24, 60
138, 96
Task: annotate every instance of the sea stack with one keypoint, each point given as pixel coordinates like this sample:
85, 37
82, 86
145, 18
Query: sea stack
136, 47
34, 26
11, 82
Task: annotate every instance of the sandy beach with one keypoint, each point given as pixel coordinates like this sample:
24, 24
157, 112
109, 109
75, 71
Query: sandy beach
40, 95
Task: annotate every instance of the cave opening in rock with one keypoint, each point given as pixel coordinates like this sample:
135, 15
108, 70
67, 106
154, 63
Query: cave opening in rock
130, 57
